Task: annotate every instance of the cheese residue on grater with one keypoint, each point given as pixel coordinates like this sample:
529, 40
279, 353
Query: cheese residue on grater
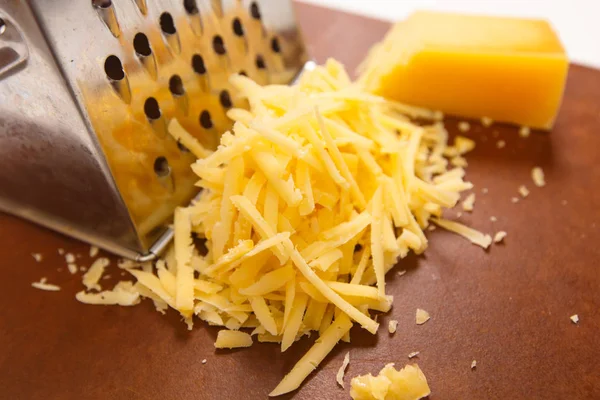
307, 203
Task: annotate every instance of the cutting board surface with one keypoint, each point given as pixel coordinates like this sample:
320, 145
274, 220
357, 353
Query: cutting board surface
508, 308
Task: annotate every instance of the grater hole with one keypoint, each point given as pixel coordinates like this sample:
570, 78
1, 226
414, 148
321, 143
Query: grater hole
152, 109
275, 45
243, 73
114, 68
101, 3
237, 27
198, 64
182, 148
206, 120
176, 86
161, 167
225, 99
167, 25
141, 45
191, 7
254, 10
260, 62
2, 26
218, 45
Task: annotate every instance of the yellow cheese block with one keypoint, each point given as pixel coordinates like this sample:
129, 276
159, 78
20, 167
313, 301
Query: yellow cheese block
507, 69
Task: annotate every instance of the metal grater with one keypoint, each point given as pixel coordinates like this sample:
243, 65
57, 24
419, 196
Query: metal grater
87, 89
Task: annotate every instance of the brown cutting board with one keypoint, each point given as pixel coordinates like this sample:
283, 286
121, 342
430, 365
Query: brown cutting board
508, 308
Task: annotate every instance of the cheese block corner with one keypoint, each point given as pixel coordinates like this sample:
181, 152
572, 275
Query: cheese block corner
507, 69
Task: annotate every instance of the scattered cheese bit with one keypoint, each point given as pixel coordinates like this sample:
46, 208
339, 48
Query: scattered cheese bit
72, 268
422, 316
227, 339
400, 273
61, 251
574, 318
413, 354
500, 144
339, 377
458, 161
458, 214
468, 203
431, 228
83, 268
524, 131
472, 235
69, 258
523, 191
37, 257
464, 126
407, 384
42, 285
493, 218
514, 199
392, 326
93, 275
486, 121
484, 190
499, 236
123, 294
473, 364
204, 361
537, 174
93, 251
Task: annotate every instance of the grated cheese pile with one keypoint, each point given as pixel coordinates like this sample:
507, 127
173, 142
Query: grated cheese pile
307, 203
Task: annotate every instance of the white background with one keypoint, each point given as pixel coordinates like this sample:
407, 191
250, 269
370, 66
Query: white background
576, 21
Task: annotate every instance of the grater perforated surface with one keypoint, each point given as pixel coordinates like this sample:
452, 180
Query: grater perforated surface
128, 67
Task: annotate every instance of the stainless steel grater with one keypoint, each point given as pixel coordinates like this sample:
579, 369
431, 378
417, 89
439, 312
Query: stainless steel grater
87, 88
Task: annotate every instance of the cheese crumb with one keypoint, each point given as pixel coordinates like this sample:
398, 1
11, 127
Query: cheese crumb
500, 144
458, 161
93, 275
339, 377
72, 268
514, 199
392, 326
42, 285
486, 121
204, 361
469, 202
473, 364
524, 131
408, 384
61, 251
400, 273
499, 236
413, 354
37, 257
464, 126
227, 339
493, 218
574, 318
123, 294
69, 258
537, 174
484, 190
422, 316
523, 191
93, 251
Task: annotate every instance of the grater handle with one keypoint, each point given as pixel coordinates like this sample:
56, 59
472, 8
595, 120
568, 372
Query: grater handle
13, 49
